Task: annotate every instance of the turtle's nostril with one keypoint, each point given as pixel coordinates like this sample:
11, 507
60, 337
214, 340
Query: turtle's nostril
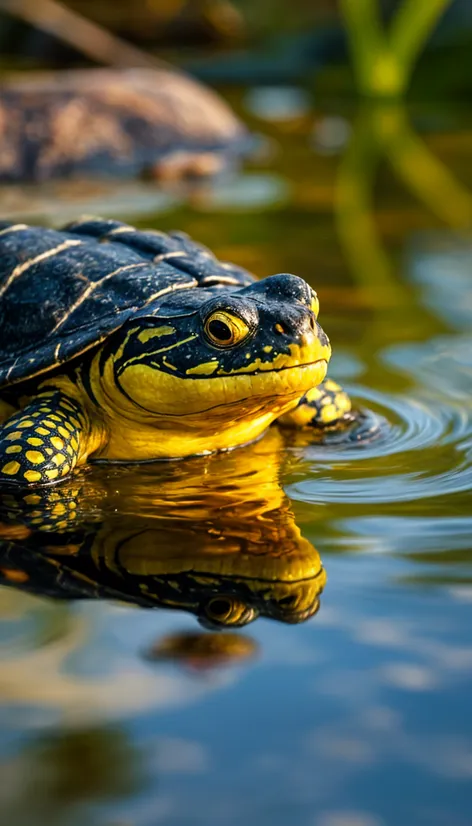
313, 323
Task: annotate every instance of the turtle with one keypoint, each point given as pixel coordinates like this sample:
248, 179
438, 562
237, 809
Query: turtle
108, 122
126, 345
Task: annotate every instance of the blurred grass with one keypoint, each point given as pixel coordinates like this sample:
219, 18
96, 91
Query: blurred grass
384, 60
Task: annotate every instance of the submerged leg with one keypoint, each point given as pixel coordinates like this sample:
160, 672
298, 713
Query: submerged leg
42, 442
325, 406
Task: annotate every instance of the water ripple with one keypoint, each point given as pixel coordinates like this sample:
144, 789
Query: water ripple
403, 449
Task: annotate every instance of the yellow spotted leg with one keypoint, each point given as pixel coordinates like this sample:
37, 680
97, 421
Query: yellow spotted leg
325, 406
41, 443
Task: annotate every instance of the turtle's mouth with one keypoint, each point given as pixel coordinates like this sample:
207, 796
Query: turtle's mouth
265, 386
244, 396
282, 381
164, 414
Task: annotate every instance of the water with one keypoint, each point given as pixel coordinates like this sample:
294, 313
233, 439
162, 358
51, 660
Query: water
346, 701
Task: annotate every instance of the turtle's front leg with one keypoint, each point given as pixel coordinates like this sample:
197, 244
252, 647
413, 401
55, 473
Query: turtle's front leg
43, 442
327, 405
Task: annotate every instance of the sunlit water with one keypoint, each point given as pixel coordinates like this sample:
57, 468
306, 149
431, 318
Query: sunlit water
348, 707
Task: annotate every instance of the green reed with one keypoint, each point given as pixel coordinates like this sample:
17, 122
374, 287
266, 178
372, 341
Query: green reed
384, 59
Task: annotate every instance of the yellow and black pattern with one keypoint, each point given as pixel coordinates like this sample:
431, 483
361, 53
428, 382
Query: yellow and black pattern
233, 557
325, 406
41, 443
127, 345
51, 510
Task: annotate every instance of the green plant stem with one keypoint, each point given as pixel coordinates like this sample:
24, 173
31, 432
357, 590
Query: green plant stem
369, 263
424, 174
366, 37
383, 62
411, 27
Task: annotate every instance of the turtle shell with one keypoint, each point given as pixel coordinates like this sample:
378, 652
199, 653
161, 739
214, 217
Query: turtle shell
64, 291
110, 122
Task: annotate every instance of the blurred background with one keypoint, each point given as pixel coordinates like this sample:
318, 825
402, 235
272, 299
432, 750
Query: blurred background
359, 180
244, 42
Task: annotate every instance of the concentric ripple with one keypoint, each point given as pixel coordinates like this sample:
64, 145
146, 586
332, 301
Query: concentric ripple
404, 448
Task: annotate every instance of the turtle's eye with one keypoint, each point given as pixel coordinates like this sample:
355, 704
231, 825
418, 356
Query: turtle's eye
220, 609
315, 304
228, 611
224, 329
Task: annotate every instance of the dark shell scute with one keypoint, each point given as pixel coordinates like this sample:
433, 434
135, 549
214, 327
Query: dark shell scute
62, 291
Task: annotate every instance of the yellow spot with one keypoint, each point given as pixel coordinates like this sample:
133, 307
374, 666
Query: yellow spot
63, 432
300, 417
313, 395
58, 459
157, 332
32, 499
34, 456
34, 441
14, 449
75, 422
205, 369
14, 575
55, 418
42, 431
32, 476
53, 473
49, 451
16, 435
47, 423
329, 413
57, 442
65, 469
74, 443
70, 427
331, 385
168, 364
61, 524
26, 423
343, 403
11, 468
59, 509
267, 349
69, 450
278, 327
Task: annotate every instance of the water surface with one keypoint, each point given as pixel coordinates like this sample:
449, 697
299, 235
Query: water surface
342, 568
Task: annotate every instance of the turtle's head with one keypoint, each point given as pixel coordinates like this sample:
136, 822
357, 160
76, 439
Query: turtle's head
212, 369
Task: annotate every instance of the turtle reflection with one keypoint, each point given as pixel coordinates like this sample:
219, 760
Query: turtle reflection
214, 536
202, 651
